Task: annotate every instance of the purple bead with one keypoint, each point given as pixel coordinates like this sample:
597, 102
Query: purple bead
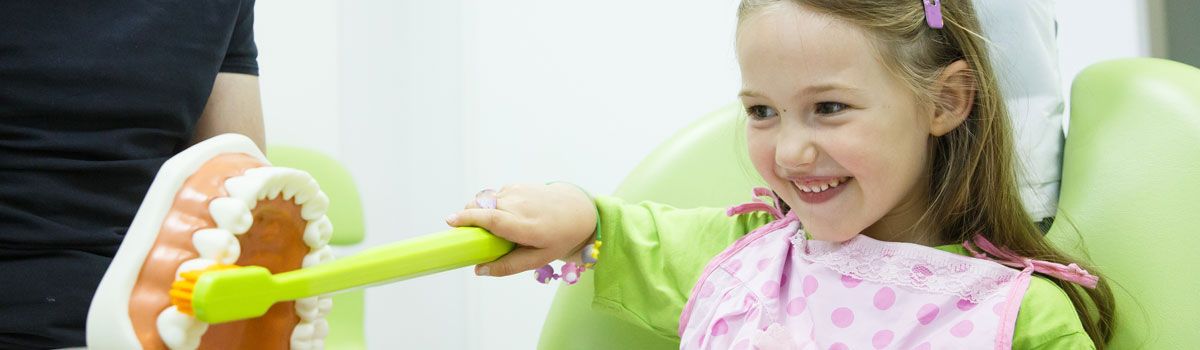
587, 254
544, 274
570, 273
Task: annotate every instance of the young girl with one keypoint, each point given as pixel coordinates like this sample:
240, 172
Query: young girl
897, 223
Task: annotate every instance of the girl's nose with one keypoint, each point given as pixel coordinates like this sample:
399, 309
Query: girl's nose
795, 150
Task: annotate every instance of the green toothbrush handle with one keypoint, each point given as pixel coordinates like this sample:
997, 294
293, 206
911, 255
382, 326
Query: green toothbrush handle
402, 260
248, 292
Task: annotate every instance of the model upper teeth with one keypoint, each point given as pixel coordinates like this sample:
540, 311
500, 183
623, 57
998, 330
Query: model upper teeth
233, 217
818, 187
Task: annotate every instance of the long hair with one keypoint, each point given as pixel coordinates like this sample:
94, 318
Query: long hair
973, 174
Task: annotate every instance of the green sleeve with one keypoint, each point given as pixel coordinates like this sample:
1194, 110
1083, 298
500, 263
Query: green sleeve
1047, 320
653, 254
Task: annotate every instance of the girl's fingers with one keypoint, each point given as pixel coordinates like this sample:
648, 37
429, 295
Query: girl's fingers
500, 223
519, 260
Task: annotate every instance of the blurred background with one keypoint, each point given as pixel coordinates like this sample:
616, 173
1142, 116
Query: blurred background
427, 102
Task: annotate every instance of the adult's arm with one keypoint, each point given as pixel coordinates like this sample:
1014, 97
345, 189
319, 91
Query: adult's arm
234, 106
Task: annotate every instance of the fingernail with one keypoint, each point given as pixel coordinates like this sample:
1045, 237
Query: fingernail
451, 218
483, 271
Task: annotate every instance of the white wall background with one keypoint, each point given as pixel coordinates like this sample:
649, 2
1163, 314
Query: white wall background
1099, 30
430, 101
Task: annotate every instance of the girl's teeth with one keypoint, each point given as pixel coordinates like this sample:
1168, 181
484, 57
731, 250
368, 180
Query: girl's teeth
823, 187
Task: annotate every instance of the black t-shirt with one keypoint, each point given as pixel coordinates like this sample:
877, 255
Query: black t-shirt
94, 96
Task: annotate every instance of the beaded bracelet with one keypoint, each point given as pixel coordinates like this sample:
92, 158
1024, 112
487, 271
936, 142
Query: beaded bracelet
589, 255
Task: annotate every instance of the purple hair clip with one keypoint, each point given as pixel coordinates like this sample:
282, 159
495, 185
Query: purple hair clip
933, 13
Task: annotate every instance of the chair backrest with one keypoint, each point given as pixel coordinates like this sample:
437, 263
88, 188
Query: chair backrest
705, 164
345, 212
1131, 194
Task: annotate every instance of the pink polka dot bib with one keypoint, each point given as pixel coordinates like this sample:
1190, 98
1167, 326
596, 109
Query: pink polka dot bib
777, 289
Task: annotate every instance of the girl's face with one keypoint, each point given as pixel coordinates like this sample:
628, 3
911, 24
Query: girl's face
830, 129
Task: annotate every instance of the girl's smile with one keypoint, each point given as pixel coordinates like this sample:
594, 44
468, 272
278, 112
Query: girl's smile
816, 190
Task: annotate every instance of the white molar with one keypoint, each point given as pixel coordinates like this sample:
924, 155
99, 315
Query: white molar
301, 191
310, 334
314, 308
317, 256
193, 264
271, 189
320, 331
308, 308
305, 193
231, 214
317, 233
217, 244
178, 330
324, 306
302, 335
243, 188
315, 207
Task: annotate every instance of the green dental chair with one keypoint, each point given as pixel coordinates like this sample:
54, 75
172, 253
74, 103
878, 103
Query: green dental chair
346, 318
1131, 195
1130, 202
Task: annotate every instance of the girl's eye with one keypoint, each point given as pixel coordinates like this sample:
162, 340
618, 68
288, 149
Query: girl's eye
830, 107
760, 112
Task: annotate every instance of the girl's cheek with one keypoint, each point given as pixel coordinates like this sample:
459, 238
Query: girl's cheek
763, 158
848, 157
762, 155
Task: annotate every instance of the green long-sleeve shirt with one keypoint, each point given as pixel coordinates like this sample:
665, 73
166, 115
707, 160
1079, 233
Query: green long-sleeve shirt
653, 254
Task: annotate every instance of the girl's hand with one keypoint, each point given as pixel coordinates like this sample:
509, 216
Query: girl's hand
547, 222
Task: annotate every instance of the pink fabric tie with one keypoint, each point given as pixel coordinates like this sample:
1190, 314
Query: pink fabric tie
1071, 273
759, 205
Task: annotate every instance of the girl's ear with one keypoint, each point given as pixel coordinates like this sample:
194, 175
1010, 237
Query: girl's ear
955, 94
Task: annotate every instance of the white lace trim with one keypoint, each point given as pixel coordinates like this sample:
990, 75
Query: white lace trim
906, 264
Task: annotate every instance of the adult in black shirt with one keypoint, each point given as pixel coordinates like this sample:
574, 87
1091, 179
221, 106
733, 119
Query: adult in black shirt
94, 97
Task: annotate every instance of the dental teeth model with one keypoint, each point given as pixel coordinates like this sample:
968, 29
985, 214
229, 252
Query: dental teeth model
217, 203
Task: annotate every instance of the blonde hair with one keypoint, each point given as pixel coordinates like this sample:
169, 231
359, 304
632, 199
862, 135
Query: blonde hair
973, 174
